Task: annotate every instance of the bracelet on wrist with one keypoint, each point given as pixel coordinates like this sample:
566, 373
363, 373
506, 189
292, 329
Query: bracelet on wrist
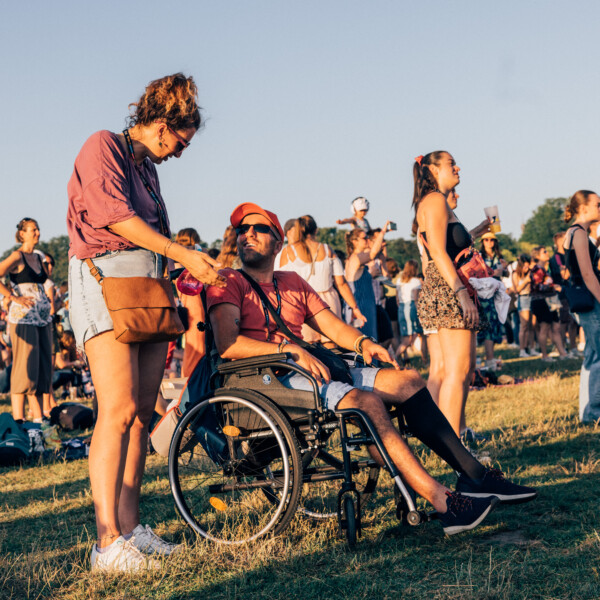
281, 345
459, 289
358, 343
167, 246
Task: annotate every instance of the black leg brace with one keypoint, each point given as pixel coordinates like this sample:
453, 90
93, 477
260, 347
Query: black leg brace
428, 424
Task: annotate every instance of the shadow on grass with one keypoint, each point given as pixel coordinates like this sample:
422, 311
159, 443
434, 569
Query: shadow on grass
515, 554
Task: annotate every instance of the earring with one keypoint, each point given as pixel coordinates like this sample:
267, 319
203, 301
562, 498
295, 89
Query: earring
160, 144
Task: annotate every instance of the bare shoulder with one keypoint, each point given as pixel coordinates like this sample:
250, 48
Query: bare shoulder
433, 201
432, 209
13, 260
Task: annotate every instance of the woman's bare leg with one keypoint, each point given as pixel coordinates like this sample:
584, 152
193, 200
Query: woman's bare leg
151, 362
115, 370
467, 383
457, 349
543, 338
557, 338
436, 367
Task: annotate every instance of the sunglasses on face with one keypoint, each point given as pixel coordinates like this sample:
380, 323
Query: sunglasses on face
258, 228
182, 143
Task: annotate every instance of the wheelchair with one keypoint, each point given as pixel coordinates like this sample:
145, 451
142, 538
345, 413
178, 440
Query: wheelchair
248, 456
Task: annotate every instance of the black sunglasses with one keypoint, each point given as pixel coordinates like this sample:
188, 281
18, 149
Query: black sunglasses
258, 228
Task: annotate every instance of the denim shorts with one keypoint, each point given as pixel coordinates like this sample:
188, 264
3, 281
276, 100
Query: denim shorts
331, 393
87, 310
524, 302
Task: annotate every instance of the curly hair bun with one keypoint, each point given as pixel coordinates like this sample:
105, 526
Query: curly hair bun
172, 99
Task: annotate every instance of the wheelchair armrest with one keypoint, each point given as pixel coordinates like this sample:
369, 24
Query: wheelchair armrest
233, 366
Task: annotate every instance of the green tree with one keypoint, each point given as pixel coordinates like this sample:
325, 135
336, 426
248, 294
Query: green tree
546, 220
333, 236
402, 250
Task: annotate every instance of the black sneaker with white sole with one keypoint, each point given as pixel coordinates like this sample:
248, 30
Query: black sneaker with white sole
493, 483
465, 513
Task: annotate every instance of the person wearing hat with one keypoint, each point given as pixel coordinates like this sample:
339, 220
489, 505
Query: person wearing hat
360, 207
490, 251
243, 328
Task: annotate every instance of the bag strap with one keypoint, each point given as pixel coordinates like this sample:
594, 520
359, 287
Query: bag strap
280, 323
94, 270
162, 218
97, 274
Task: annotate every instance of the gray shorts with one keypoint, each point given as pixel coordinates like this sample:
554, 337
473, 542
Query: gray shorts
331, 393
87, 310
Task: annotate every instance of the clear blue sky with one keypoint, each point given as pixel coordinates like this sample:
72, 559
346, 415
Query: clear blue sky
308, 104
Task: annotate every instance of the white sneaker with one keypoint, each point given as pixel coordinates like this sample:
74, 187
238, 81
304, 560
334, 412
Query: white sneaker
145, 540
122, 555
534, 352
523, 354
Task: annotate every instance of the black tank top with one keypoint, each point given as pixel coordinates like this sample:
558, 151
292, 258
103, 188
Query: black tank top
28, 275
571, 259
457, 239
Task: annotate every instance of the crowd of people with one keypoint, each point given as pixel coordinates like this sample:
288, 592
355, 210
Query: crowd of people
360, 299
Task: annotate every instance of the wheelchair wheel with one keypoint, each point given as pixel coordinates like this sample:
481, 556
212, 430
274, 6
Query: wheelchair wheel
323, 476
235, 468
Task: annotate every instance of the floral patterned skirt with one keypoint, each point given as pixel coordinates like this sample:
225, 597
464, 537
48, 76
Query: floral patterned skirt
439, 308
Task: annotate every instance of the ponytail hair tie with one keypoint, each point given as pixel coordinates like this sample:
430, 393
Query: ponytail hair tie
419, 159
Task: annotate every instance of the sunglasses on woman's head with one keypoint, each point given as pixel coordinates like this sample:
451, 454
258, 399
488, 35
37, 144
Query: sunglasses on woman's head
258, 228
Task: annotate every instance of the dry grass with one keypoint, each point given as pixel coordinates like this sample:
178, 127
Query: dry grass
546, 549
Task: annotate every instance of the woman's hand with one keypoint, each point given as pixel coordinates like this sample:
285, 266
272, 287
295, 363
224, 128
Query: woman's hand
309, 363
358, 316
26, 301
200, 265
482, 228
469, 310
371, 350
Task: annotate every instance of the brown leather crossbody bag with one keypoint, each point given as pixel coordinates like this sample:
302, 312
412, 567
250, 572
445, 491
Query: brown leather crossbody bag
142, 309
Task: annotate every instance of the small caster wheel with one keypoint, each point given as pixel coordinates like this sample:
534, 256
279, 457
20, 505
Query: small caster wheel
350, 513
413, 518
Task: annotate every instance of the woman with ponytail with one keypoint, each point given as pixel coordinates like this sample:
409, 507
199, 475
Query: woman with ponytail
581, 257
445, 305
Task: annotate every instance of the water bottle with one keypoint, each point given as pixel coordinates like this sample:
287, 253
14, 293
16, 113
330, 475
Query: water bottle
187, 284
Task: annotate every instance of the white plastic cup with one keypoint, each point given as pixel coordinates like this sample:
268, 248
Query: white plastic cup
491, 212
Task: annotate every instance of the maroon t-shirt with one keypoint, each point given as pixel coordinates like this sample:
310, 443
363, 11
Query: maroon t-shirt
299, 302
106, 188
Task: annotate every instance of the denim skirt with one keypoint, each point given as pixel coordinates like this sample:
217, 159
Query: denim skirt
87, 310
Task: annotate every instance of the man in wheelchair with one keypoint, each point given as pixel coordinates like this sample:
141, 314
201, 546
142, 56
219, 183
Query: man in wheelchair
244, 327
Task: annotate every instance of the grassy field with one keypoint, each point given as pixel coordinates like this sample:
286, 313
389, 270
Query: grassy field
546, 549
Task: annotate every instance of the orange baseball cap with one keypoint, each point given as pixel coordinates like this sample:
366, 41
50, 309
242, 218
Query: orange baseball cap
249, 208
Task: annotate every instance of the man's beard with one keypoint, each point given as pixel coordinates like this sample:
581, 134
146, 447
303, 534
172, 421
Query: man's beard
251, 258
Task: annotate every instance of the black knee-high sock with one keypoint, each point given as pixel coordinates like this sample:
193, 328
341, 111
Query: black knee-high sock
428, 424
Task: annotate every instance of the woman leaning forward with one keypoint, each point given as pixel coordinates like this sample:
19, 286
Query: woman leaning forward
117, 218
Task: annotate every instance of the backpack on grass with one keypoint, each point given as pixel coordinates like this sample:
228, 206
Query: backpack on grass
72, 415
14, 442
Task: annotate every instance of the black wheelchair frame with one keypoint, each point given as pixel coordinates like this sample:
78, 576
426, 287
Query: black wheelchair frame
242, 456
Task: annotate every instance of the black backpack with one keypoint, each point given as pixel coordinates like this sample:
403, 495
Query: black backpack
14, 442
72, 415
